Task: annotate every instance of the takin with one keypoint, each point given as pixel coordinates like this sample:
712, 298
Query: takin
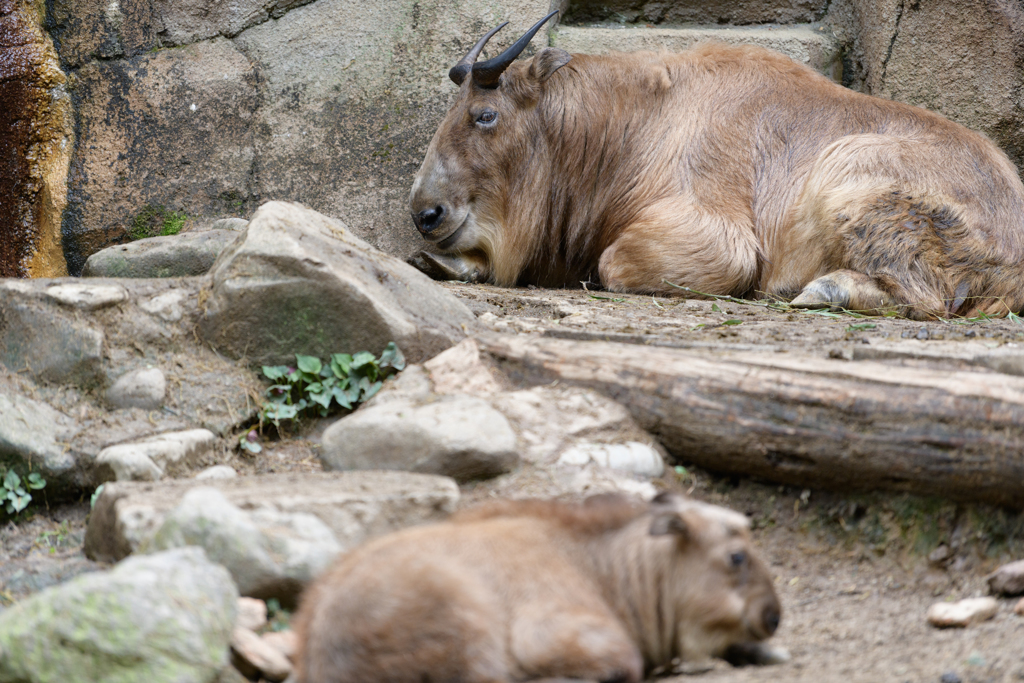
724, 170
530, 590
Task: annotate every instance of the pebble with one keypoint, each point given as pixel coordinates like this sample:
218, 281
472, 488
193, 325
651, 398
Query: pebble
166, 306
1019, 608
253, 656
950, 677
218, 472
138, 389
1008, 579
252, 614
633, 457
963, 613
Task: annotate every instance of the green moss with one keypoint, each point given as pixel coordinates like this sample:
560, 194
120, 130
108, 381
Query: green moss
156, 220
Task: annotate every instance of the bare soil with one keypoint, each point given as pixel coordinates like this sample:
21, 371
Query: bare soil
856, 572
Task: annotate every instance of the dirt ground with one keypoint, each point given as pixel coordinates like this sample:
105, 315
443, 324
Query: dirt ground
856, 572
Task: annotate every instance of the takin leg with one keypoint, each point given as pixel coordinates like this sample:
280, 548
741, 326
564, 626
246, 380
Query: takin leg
573, 643
681, 244
464, 267
914, 256
875, 228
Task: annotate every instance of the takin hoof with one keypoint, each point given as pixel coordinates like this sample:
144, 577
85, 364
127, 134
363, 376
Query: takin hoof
846, 290
442, 267
824, 292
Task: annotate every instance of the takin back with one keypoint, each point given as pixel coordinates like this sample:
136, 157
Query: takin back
727, 170
530, 590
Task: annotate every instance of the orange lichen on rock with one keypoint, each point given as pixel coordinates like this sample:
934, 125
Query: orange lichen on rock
36, 138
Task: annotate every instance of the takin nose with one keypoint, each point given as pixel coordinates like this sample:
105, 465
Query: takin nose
770, 618
428, 220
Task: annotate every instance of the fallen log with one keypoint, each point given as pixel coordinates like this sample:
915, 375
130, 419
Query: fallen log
802, 420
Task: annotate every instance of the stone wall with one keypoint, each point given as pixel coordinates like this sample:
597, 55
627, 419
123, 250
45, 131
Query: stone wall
212, 108
961, 58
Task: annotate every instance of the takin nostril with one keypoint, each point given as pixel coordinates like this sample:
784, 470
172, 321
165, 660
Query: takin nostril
429, 219
770, 617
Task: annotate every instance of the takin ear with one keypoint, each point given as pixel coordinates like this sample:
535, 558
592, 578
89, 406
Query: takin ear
667, 522
548, 61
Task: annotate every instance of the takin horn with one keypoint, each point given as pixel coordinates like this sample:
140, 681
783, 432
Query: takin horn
459, 72
486, 74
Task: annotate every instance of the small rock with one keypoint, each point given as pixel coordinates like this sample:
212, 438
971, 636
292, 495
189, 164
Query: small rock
252, 613
963, 613
253, 655
1008, 579
87, 297
165, 306
217, 472
633, 457
462, 437
150, 459
285, 642
1018, 609
138, 389
940, 555
950, 677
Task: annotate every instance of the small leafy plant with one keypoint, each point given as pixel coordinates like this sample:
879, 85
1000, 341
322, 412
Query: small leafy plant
316, 387
14, 491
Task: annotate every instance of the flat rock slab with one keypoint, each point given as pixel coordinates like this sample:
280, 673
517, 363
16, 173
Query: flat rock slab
160, 618
300, 282
152, 458
354, 505
190, 253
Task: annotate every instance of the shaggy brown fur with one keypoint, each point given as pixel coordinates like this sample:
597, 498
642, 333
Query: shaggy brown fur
730, 170
534, 590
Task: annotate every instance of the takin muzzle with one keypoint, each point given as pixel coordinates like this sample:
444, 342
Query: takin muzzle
529, 590
725, 170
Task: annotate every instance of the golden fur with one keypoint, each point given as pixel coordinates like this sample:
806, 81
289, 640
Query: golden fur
533, 590
730, 170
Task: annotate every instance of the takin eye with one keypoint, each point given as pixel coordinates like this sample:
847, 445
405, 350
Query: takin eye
487, 118
738, 559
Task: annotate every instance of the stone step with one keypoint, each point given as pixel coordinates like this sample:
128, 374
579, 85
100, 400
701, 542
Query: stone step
677, 12
809, 44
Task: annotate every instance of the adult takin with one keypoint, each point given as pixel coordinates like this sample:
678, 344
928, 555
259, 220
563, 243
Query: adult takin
517, 591
727, 170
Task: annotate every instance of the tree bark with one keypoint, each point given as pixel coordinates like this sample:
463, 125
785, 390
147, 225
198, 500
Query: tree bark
801, 420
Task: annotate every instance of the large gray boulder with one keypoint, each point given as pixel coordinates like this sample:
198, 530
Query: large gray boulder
353, 505
162, 618
190, 253
300, 282
269, 553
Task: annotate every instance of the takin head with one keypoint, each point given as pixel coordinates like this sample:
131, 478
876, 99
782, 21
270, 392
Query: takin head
722, 590
461, 191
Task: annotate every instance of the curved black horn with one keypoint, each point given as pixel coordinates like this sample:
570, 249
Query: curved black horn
486, 74
459, 72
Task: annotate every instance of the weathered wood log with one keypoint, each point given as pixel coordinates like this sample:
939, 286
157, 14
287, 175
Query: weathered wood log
802, 420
